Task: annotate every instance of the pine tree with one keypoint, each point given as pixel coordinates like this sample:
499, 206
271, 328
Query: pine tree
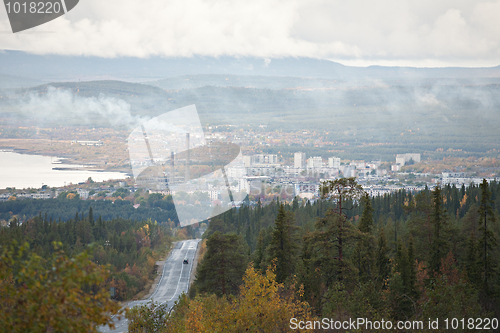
487, 241
439, 244
248, 238
382, 258
223, 265
259, 252
420, 222
101, 229
401, 261
91, 217
402, 287
365, 246
471, 262
366, 223
412, 275
283, 244
339, 191
332, 235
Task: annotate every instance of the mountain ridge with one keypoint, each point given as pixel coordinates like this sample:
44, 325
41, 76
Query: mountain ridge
74, 68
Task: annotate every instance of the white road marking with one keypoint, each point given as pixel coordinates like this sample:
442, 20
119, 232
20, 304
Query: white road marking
122, 325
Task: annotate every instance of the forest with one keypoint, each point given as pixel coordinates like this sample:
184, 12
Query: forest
406, 256
130, 248
402, 257
156, 207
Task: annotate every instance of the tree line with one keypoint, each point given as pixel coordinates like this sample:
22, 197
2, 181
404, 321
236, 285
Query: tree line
156, 207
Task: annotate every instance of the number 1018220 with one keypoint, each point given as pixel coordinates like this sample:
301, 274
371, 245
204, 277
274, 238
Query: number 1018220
471, 324
33, 7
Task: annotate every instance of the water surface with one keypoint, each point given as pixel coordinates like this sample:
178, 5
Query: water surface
23, 171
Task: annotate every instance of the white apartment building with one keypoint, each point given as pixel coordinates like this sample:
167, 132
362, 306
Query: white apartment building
315, 162
349, 171
260, 160
265, 159
213, 194
299, 160
402, 159
84, 194
236, 172
247, 161
307, 188
334, 162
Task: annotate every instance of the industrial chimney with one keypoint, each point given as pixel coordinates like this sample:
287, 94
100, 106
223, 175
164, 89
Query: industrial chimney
172, 168
187, 157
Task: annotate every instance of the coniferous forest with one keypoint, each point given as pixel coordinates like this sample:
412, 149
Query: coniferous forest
401, 257
129, 247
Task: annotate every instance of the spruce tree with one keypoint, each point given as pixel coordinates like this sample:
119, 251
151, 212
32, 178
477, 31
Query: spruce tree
366, 223
365, 246
471, 262
382, 258
259, 252
91, 216
439, 244
412, 274
403, 293
487, 241
283, 244
223, 265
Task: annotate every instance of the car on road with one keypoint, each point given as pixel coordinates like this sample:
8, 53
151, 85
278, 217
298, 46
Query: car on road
185, 261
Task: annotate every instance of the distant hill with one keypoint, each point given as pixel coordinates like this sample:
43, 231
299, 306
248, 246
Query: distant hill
244, 81
94, 88
301, 83
144, 100
443, 117
74, 68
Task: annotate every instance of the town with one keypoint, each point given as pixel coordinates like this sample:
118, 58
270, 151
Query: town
266, 176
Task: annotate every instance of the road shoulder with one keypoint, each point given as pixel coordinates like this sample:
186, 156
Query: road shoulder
159, 272
195, 263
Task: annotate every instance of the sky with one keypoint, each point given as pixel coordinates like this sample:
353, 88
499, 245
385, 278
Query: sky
423, 33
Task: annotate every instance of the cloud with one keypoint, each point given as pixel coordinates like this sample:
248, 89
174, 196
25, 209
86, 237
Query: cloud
57, 104
431, 32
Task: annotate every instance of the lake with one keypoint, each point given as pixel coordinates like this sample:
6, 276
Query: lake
23, 171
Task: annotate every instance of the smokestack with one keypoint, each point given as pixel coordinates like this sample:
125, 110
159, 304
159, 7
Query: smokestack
187, 156
172, 169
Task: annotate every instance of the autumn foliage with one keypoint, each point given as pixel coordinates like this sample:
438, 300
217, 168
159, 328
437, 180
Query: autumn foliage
58, 294
263, 305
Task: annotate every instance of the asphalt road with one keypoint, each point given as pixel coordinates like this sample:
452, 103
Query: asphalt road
174, 280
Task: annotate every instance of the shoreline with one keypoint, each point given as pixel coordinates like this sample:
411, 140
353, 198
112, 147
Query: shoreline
28, 171
66, 160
